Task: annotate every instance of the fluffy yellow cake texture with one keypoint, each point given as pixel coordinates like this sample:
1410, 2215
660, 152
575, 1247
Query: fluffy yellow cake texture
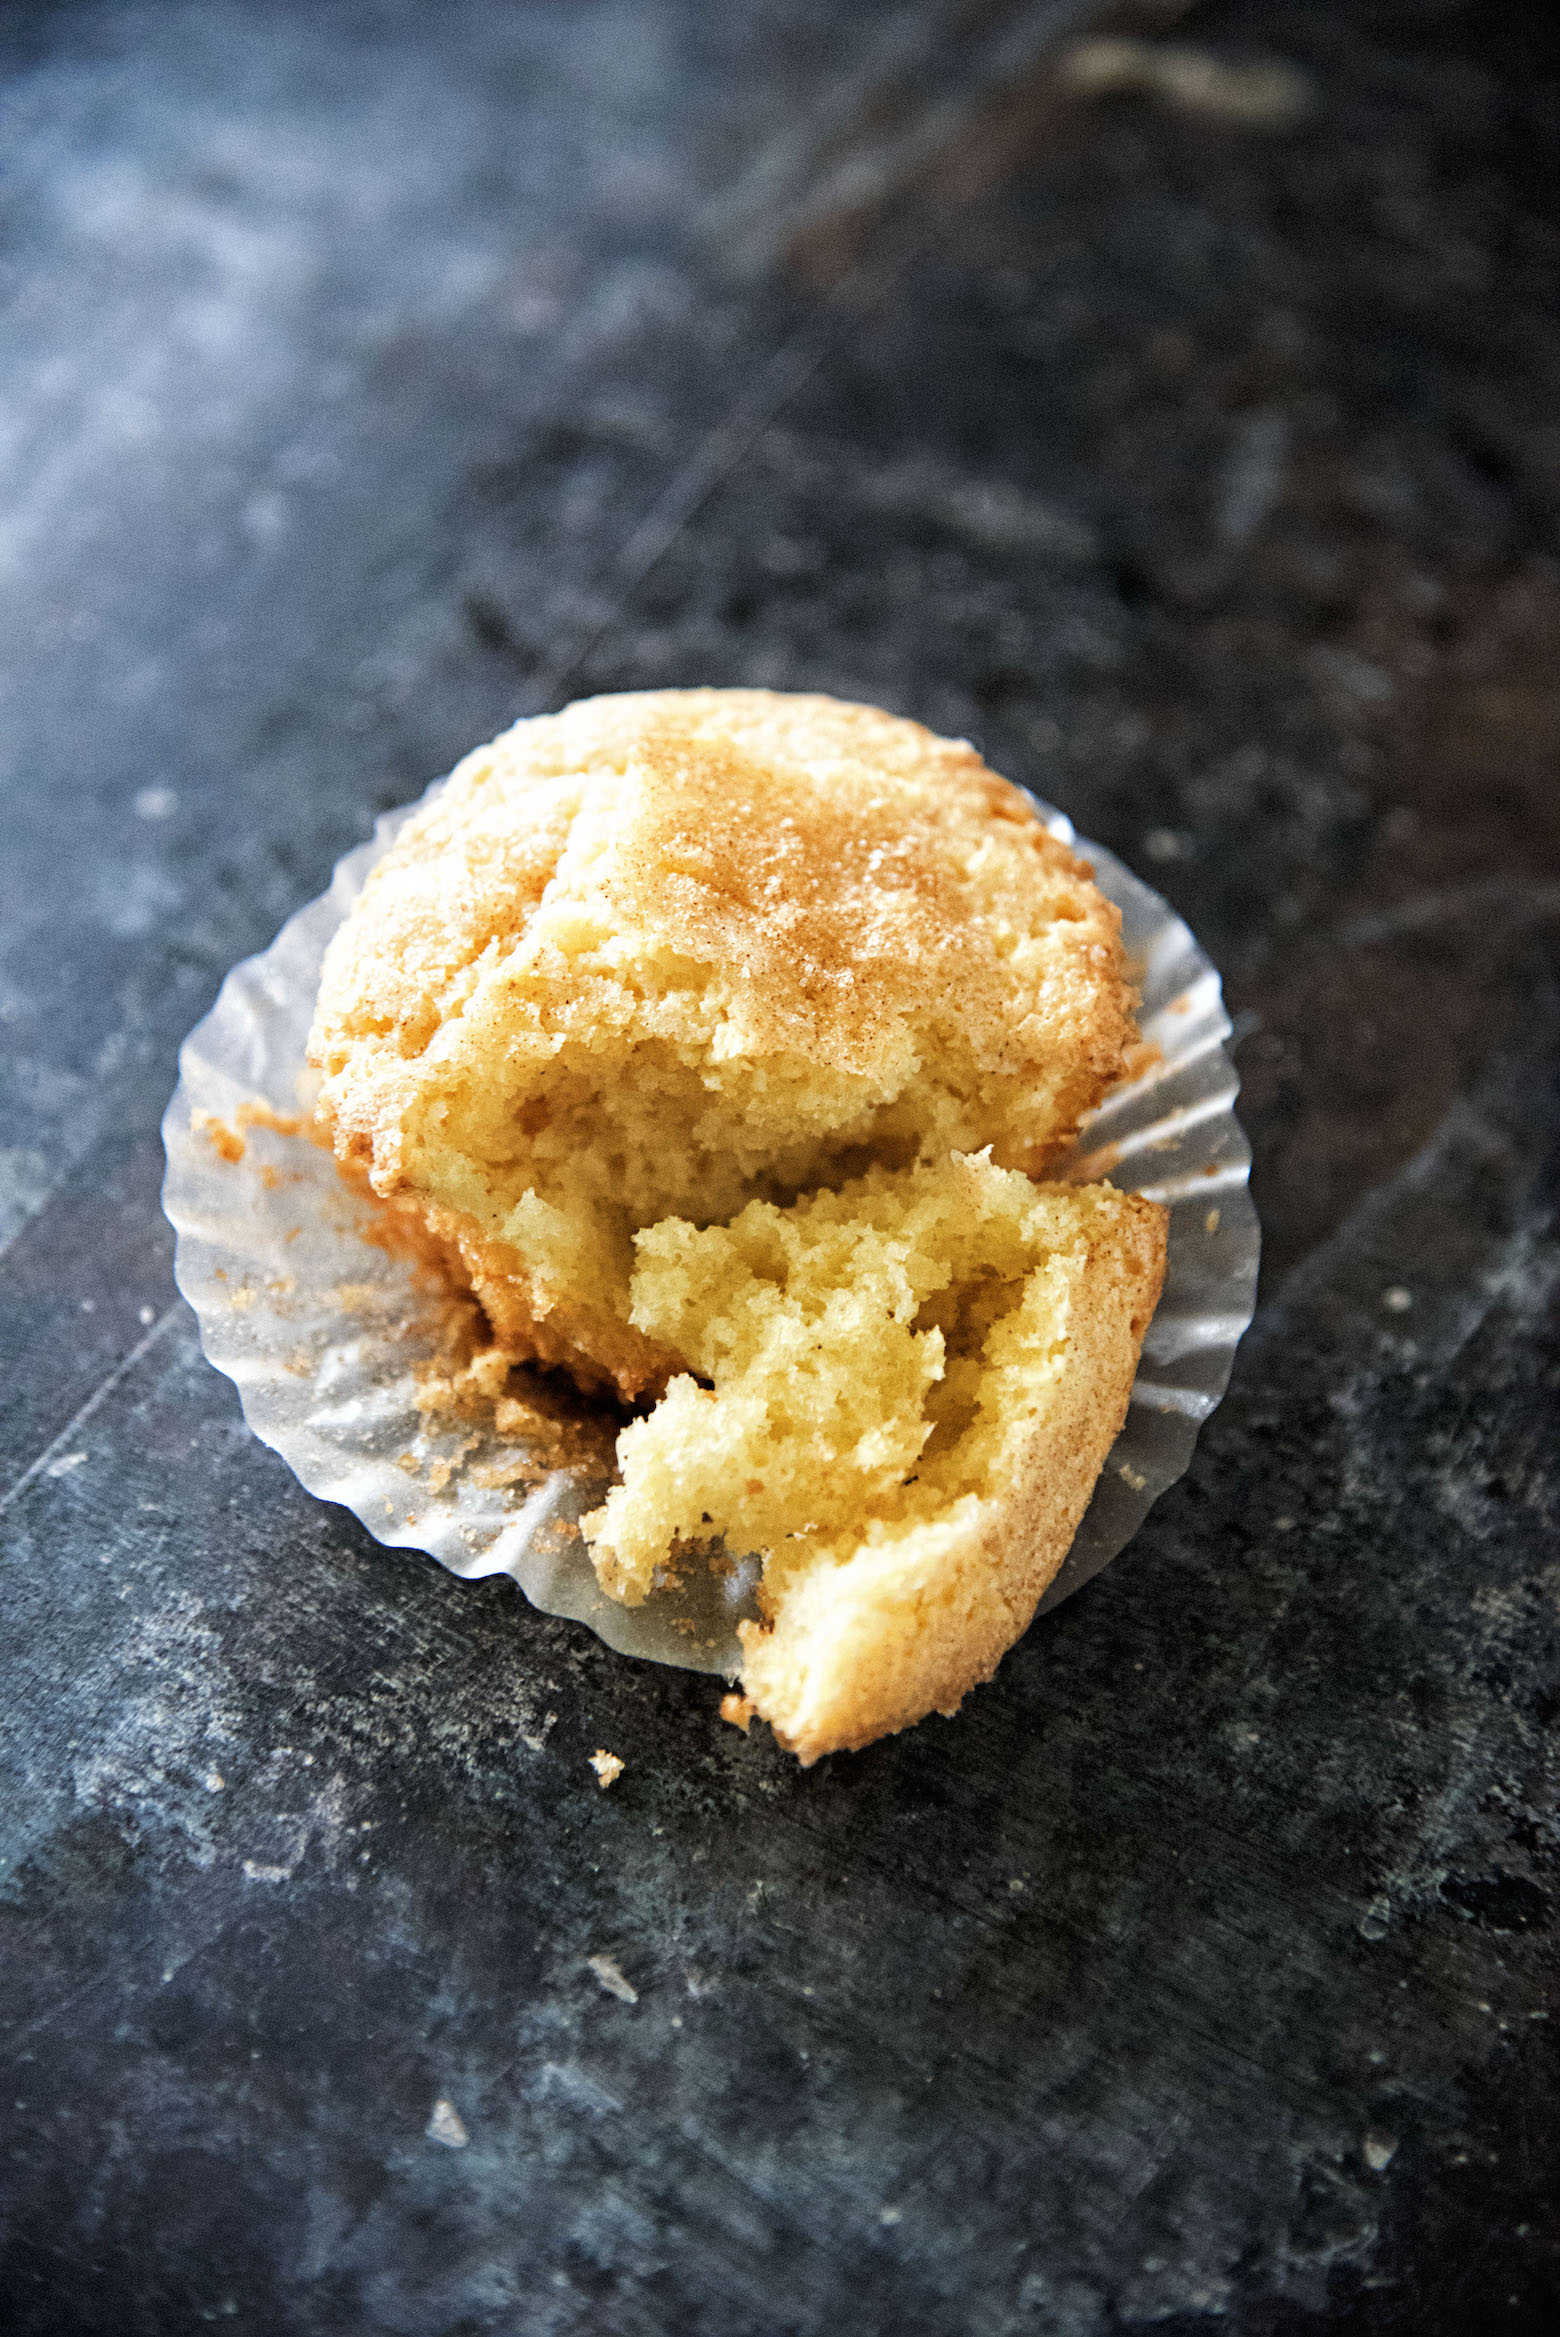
908, 1388
682, 1018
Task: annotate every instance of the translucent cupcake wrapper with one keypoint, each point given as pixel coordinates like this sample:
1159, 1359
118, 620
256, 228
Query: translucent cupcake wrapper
325, 1334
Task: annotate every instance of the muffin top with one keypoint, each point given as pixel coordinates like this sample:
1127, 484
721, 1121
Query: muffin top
667, 952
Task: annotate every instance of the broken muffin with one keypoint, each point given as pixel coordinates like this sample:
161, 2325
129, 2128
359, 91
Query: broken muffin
719, 1036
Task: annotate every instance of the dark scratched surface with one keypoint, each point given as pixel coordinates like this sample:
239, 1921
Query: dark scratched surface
372, 373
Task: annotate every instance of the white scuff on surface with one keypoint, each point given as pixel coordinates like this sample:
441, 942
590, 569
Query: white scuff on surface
612, 1977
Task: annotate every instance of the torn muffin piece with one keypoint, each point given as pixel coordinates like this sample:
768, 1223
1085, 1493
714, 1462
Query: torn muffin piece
664, 954
910, 1387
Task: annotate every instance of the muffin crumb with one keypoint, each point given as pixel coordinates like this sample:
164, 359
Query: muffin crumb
225, 1142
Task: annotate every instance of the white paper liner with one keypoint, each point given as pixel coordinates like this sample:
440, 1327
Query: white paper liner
323, 1333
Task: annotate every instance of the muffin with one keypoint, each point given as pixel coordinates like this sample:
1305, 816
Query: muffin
717, 1038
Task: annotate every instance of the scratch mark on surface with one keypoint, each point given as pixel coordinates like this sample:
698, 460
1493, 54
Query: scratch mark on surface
43, 1463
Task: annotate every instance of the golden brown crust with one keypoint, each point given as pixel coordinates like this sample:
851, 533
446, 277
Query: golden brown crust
830, 877
835, 884
858, 1650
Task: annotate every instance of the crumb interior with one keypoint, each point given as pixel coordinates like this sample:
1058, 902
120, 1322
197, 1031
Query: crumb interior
862, 1361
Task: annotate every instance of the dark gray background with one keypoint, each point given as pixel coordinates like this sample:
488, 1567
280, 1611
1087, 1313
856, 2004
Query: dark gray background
370, 373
